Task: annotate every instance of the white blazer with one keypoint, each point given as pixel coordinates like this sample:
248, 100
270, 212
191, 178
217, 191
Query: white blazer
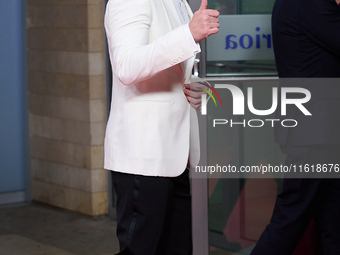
148, 131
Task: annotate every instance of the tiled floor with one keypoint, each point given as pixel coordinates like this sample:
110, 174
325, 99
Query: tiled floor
42, 230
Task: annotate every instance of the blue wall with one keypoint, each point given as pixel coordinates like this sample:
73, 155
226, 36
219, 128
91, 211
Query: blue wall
14, 166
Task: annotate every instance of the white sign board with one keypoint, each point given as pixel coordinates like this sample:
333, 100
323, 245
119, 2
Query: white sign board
241, 37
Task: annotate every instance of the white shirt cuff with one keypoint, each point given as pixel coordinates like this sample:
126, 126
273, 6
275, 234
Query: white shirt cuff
195, 46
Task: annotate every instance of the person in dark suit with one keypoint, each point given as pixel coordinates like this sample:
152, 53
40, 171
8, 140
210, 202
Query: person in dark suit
306, 39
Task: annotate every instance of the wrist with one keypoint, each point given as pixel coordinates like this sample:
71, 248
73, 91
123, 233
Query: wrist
191, 29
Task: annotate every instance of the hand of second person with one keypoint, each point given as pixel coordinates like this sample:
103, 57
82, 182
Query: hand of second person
194, 94
204, 22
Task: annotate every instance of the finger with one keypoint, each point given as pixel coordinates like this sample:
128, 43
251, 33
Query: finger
197, 90
187, 92
213, 20
204, 5
212, 13
214, 25
198, 85
213, 31
196, 95
195, 103
193, 90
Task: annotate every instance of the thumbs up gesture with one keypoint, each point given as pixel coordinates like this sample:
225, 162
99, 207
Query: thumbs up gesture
204, 22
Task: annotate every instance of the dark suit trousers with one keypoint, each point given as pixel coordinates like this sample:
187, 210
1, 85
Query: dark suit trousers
300, 201
153, 214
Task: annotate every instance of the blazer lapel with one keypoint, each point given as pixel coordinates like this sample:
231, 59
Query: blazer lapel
188, 9
171, 12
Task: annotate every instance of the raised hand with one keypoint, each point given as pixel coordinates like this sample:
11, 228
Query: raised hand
204, 22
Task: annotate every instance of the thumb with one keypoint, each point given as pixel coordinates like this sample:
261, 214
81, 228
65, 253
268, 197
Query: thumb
204, 5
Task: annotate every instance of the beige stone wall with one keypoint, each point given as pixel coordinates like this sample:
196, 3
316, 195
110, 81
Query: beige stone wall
66, 68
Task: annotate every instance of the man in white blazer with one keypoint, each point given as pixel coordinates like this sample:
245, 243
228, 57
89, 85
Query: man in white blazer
152, 45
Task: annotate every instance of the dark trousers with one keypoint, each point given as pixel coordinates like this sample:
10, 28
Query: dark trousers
153, 214
300, 201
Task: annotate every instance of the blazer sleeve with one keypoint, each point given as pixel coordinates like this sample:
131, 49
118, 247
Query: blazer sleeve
320, 21
133, 57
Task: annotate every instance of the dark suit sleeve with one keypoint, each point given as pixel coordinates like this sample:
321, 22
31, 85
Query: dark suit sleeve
320, 21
